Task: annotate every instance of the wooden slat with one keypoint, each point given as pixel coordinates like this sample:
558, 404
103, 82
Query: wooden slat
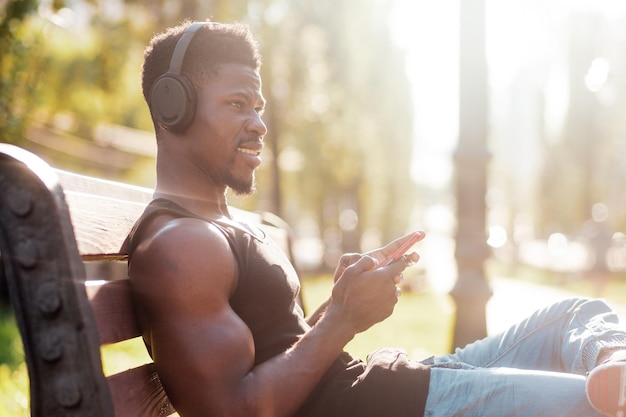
138, 392
59, 147
101, 224
111, 189
102, 212
112, 305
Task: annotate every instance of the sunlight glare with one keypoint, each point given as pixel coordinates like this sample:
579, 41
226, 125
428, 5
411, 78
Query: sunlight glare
428, 31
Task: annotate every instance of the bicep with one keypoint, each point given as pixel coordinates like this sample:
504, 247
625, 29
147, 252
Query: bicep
202, 349
202, 359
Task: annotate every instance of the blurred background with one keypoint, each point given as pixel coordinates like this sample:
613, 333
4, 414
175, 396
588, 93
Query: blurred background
498, 126
363, 112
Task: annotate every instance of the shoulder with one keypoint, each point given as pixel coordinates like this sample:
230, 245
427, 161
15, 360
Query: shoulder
177, 254
181, 237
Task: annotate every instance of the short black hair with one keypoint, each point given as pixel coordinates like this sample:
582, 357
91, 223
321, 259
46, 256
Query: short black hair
212, 45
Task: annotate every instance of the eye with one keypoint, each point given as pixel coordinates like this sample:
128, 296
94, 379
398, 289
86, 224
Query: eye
259, 110
237, 104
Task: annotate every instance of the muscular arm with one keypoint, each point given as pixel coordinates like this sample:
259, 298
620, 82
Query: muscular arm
183, 275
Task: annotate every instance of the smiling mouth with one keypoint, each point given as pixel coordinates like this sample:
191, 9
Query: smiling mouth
249, 151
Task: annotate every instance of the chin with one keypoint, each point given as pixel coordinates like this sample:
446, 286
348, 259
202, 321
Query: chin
243, 189
241, 185
244, 193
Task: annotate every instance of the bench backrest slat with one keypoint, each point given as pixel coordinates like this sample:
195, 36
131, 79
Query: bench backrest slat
110, 189
102, 212
113, 309
101, 224
138, 392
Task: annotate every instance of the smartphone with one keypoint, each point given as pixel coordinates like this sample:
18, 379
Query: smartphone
397, 254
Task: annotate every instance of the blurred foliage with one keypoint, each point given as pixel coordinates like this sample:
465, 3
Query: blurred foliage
13, 62
13, 372
584, 165
339, 100
339, 114
11, 351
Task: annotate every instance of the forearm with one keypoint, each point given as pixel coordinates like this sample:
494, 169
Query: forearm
305, 363
313, 318
271, 384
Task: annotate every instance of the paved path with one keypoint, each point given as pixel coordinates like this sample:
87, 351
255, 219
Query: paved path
513, 300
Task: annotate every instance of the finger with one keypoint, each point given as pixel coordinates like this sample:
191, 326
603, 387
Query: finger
365, 263
348, 259
397, 267
411, 258
397, 279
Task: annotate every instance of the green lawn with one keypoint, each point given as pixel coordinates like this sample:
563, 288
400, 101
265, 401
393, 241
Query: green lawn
421, 322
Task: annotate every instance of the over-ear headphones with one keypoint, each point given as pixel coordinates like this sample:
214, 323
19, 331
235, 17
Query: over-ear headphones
173, 97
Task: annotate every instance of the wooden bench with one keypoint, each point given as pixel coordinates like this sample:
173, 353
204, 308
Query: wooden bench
60, 235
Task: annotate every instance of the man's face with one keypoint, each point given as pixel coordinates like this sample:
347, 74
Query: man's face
228, 127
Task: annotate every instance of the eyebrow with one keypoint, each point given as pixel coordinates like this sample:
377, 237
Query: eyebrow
248, 93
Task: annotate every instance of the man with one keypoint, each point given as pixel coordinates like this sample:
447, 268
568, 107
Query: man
217, 299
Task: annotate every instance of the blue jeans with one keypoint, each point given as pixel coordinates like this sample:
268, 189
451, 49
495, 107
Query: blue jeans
535, 368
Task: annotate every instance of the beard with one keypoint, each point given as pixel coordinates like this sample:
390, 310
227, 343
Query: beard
240, 185
242, 188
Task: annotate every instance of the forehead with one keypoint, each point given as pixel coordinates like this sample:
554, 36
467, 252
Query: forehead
235, 77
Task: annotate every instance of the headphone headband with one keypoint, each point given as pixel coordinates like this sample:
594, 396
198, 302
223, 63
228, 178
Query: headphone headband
176, 63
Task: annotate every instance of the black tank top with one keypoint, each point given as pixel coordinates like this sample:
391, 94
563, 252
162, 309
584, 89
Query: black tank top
268, 286
266, 300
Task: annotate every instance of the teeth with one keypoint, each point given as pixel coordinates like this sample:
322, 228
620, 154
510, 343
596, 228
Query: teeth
248, 151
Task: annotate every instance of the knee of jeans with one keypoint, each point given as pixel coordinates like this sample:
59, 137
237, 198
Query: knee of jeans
570, 307
593, 307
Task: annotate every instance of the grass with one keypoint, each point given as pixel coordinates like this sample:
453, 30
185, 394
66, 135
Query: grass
421, 322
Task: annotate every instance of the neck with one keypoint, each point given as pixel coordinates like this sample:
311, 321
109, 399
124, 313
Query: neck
190, 189
200, 205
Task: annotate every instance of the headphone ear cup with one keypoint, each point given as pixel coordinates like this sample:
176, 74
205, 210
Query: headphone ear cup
173, 102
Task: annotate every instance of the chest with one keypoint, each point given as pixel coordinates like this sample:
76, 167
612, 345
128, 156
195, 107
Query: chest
268, 286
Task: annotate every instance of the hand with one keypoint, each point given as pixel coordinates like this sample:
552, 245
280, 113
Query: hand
364, 294
379, 255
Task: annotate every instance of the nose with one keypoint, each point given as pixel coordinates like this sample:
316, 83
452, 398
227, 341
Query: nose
257, 126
